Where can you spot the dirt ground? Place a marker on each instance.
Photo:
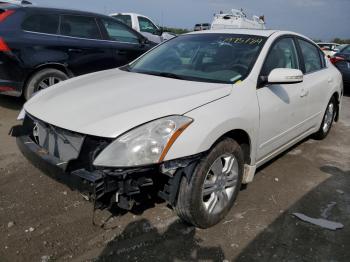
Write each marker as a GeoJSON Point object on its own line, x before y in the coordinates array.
{"type": "Point", "coordinates": [42, 220]}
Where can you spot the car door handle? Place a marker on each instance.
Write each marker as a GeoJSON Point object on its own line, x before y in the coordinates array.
{"type": "Point", "coordinates": [75, 50]}
{"type": "Point", "coordinates": [330, 80]}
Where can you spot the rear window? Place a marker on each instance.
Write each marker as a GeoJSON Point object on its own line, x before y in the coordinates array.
{"type": "Point", "coordinates": [41, 23]}
{"type": "Point", "coordinates": [79, 26]}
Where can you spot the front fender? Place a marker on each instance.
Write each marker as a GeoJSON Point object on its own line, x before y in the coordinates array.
{"type": "Point", "coordinates": [213, 121]}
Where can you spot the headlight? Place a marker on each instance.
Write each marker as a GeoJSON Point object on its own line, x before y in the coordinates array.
{"type": "Point", "coordinates": [146, 144]}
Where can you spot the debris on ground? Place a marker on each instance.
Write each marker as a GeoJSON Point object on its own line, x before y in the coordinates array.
{"type": "Point", "coordinates": [10, 224]}
{"type": "Point", "coordinates": [45, 258]}
{"type": "Point", "coordinates": [320, 222]}
{"type": "Point", "coordinates": [31, 229]}
{"type": "Point", "coordinates": [276, 179]}
{"type": "Point", "coordinates": [340, 191]}
{"type": "Point", "coordinates": [326, 212]}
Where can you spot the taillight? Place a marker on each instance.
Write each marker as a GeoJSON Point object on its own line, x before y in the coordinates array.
{"type": "Point", "coordinates": [5, 15]}
{"type": "Point", "coordinates": [336, 59]}
{"type": "Point", "coordinates": [3, 46]}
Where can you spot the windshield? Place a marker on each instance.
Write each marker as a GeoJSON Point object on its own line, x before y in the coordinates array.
{"type": "Point", "coordinates": [218, 58]}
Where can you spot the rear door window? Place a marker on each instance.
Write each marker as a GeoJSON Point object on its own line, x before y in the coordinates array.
{"type": "Point", "coordinates": [79, 26]}
{"type": "Point", "coordinates": [311, 55]}
{"type": "Point", "coordinates": [119, 32]}
{"type": "Point", "coordinates": [41, 23]}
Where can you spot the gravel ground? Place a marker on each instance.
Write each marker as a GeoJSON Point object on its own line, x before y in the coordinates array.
{"type": "Point", "coordinates": [42, 220]}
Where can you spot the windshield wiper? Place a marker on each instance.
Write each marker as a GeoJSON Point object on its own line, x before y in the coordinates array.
{"type": "Point", "coordinates": [170, 75]}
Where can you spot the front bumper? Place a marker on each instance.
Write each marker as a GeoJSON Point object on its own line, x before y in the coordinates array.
{"type": "Point", "coordinates": [125, 187]}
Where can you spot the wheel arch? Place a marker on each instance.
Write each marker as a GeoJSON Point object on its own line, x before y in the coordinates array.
{"type": "Point", "coordinates": [243, 139]}
{"type": "Point", "coordinates": [58, 66]}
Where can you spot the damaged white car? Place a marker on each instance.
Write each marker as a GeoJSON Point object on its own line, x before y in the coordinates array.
{"type": "Point", "coordinates": [190, 120]}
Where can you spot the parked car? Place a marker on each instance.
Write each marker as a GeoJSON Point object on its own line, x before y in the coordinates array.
{"type": "Point", "coordinates": [191, 120]}
{"type": "Point", "coordinates": [144, 26]}
{"type": "Point", "coordinates": [40, 47]}
{"type": "Point", "coordinates": [201, 27]}
{"type": "Point", "coordinates": [342, 61]}
{"type": "Point", "coordinates": [329, 48]}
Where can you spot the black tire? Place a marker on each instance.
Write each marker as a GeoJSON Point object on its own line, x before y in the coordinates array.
{"type": "Point", "coordinates": [323, 132]}
{"type": "Point", "coordinates": [34, 82]}
{"type": "Point", "coordinates": [190, 206]}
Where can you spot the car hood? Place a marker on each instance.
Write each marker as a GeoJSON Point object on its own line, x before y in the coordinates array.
{"type": "Point", "coordinates": [111, 102]}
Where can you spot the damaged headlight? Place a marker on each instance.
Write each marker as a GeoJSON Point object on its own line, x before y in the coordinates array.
{"type": "Point", "coordinates": [146, 144]}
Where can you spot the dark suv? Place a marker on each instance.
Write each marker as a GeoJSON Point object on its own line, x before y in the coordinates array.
{"type": "Point", "coordinates": [40, 47]}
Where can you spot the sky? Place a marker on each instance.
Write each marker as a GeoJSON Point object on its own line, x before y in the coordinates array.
{"type": "Point", "coordinates": [317, 19]}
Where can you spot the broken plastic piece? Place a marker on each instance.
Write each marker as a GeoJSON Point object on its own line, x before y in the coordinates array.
{"type": "Point", "coordinates": [320, 222]}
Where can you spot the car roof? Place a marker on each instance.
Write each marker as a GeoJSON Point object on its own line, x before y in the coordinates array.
{"type": "Point", "coordinates": [326, 43]}
{"type": "Point", "coordinates": [262, 32]}
{"type": "Point", "coordinates": [58, 10]}
{"type": "Point", "coordinates": [256, 32]}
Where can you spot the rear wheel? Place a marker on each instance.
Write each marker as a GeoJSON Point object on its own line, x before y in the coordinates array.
{"type": "Point", "coordinates": [43, 79]}
{"type": "Point", "coordinates": [327, 121]}
{"type": "Point", "coordinates": [209, 195]}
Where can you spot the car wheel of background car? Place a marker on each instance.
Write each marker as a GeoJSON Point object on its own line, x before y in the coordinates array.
{"type": "Point", "coordinates": [327, 121]}
{"type": "Point", "coordinates": [209, 195]}
{"type": "Point", "coordinates": [43, 79]}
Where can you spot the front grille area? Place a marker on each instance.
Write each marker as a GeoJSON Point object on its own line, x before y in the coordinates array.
{"type": "Point", "coordinates": [72, 149]}
{"type": "Point", "coordinates": [60, 143]}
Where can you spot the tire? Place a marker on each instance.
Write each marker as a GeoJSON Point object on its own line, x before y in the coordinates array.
{"type": "Point", "coordinates": [43, 79]}
{"type": "Point", "coordinates": [327, 121]}
{"type": "Point", "coordinates": [195, 205]}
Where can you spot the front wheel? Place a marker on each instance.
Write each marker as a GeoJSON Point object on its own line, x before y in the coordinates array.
{"type": "Point", "coordinates": [327, 121]}
{"type": "Point", "coordinates": [209, 195]}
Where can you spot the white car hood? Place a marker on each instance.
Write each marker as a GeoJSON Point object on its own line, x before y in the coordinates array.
{"type": "Point", "coordinates": [111, 102]}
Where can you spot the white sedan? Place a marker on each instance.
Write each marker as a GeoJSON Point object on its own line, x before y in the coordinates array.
{"type": "Point", "coordinates": [190, 120]}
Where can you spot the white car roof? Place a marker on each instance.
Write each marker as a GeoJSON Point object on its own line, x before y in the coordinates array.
{"type": "Point", "coordinates": [257, 32]}
{"type": "Point", "coordinates": [126, 14]}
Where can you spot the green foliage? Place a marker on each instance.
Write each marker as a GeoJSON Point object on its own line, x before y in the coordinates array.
{"type": "Point", "coordinates": [177, 31]}
{"type": "Point", "coordinates": [341, 41]}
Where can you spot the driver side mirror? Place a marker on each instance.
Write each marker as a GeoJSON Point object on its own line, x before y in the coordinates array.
{"type": "Point", "coordinates": [159, 31]}
{"type": "Point", "coordinates": [285, 76]}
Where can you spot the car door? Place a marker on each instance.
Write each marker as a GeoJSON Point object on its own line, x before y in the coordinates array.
{"type": "Point", "coordinates": [317, 81]}
{"type": "Point", "coordinates": [149, 30]}
{"type": "Point", "coordinates": [282, 106]}
{"type": "Point", "coordinates": [81, 40]}
{"type": "Point", "coordinates": [124, 44]}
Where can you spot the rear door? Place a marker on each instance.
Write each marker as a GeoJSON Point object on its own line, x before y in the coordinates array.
{"type": "Point", "coordinates": [282, 106]}
{"type": "Point", "coordinates": [317, 81]}
{"type": "Point", "coordinates": [123, 43]}
{"type": "Point", "coordinates": [81, 39]}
